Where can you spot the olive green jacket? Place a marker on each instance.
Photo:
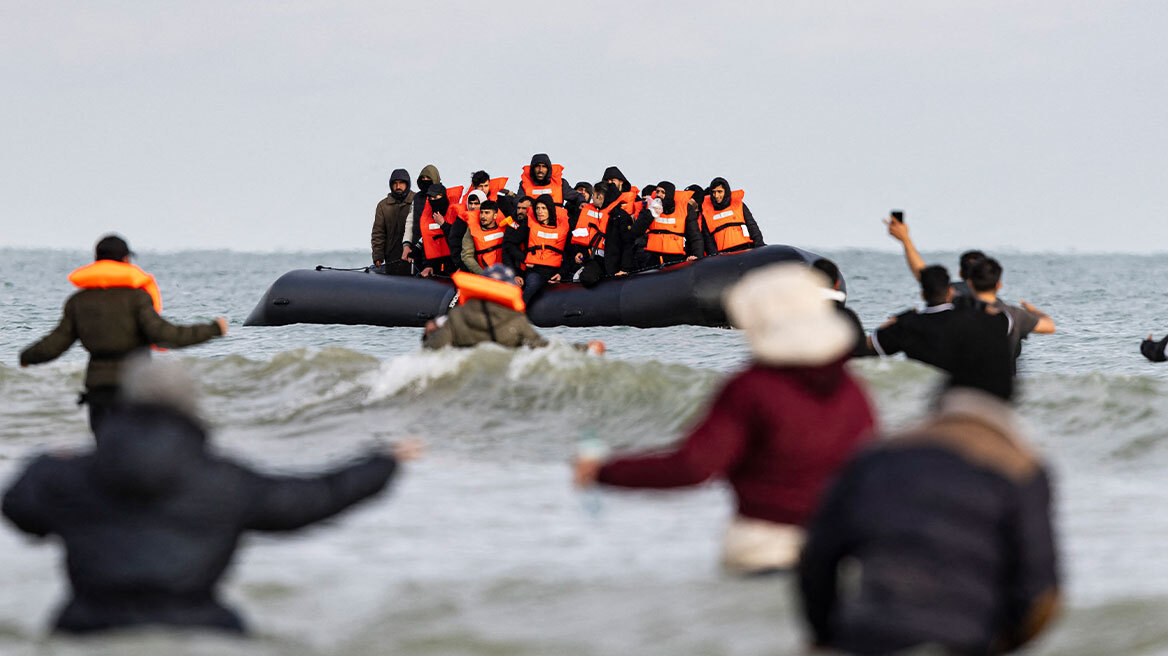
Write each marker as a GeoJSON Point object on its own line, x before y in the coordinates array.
{"type": "Point", "coordinates": [482, 321]}
{"type": "Point", "coordinates": [111, 324]}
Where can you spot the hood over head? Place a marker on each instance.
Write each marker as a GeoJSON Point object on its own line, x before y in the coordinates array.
{"type": "Point", "coordinates": [667, 189]}
{"type": "Point", "coordinates": [404, 176]}
{"type": "Point", "coordinates": [787, 320]}
{"type": "Point", "coordinates": [586, 185]}
{"type": "Point", "coordinates": [614, 172]}
{"type": "Point", "coordinates": [477, 193]}
{"type": "Point", "coordinates": [699, 193]}
{"type": "Point", "coordinates": [720, 182]}
{"type": "Point", "coordinates": [540, 158]}
{"type": "Point", "coordinates": [546, 199]}
{"type": "Point", "coordinates": [431, 172]}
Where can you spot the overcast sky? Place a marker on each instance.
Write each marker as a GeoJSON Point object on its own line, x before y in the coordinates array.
{"type": "Point", "coordinates": [275, 125]}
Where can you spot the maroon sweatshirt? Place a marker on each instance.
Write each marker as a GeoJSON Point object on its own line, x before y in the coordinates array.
{"type": "Point", "coordinates": [776, 434]}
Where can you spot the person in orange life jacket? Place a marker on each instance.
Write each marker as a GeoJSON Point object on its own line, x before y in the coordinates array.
{"type": "Point", "coordinates": [546, 239]}
{"type": "Point", "coordinates": [432, 230]}
{"type": "Point", "coordinates": [428, 176]}
{"type": "Point", "coordinates": [727, 224]}
{"type": "Point", "coordinates": [458, 226]}
{"type": "Point", "coordinates": [490, 309]}
{"type": "Point", "coordinates": [482, 245]}
{"type": "Point", "coordinates": [114, 315]}
{"type": "Point", "coordinates": [632, 204]}
{"type": "Point", "coordinates": [542, 177]}
{"type": "Point", "coordinates": [389, 225]}
{"type": "Point", "coordinates": [598, 245]}
{"type": "Point", "coordinates": [491, 187]}
{"type": "Point", "coordinates": [670, 228]}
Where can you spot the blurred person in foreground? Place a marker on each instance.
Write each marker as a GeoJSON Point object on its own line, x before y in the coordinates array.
{"type": "Point", "coordinates": [839, 297]}
{"type": "Point", "coordinates": [777, 431]}
{"type": "Point", "coordinates": [115, 314]}
{"type": "Point", "coordinates": [939, 537]}
{"type": "Point", "coordinates": [150, 519]}
{"type": "Point", "coordinates": [490, 309]}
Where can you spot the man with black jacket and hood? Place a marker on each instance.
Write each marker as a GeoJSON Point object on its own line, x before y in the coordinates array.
{"type": "Point", "coordinates": [151, 518]}
{"type": "Point", "coordinates": [427, 177]}
{"type": "Point", "coordinates": [727, 224]}
{"type": "Point", "coordinates": [544, 240]}
{"type": "Point", "coordinates": [389, 225]}
{"type": "Point", "coordinates": [671, 230]}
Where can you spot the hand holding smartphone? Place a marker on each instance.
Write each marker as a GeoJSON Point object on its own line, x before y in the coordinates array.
{"type": "Point", "coordinates": [897, 215]}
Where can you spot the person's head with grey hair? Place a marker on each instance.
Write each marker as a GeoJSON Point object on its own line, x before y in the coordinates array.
{"type": "Point", "coordinates": [159, 381]}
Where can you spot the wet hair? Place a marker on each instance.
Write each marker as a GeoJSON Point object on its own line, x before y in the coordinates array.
{"type": "Point", "coordinates": [985, 274]}
{"type": "Point", "coordinates": [968, 259]}
{"type": "Point", "coordinates": [935, 284]}
{"type": "Point", "coordinates": [479, 177]}
{"type": "Point", "coordinates": [828, 268]}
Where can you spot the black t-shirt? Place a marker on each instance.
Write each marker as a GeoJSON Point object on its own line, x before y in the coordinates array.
{"type": "Point", "coordinates": [918, 334]}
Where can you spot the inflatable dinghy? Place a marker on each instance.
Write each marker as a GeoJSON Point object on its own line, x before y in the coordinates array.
{"type": "Point", "coordinates": [686, 293]}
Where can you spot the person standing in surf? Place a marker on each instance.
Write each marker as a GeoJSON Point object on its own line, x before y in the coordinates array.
{"type": "Point", "coordinates": [114, 315]}
{"type": "Point", "coordinates": [777, 431]}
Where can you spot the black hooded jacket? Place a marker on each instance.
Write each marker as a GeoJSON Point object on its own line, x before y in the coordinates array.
{"type": "Point", "coordinates": [694, 244]}
{"type": "Point", "coordinates": [151, 519]}
{"type": "Point", "coordinates": [751, 224]}
{"type": "Point", "coordinates": [515, 242]}
{"type": "Point", "coordinates": [571, 196]}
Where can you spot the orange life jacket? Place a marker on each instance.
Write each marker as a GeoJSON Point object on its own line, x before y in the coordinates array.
{"type": "Point", "coordinates": [472, 287]}
{"type": "Point", "coordinates": [590, 228]}
{"type": "Point", "coordinates": [629, 201]}
{"type": "Point", "coordinates": [104, 274]}
{"type": "Point", "coordinates": [727, 226]}
{"type": "Point", "coordinates": [488, 243]}
{"type": "Point", "coordinates": [545, 244]}
{"type": "Point", "coordinates": [554, 187]}
{"type": "Point", "coordinates": [433, 239]}
{"type": "Point", "coordinates": [667, 232]}
{"type": "Point", "coordinates": [494, 187]}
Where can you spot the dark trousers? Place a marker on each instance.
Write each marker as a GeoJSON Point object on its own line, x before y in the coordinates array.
{"type": "Point", "coordinates": [535, 279]}
{"type": "Point", "coordinates": [101, 401]}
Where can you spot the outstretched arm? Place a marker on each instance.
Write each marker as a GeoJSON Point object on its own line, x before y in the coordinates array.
{"type": "Point", "coordinates": [899, 231]}
{"type": "Point", "coordinates": [285, 503]}
{"type": "Point", "coordinates": [1045, 325]}
{"type": "Point", "coordinates": [51, 346]}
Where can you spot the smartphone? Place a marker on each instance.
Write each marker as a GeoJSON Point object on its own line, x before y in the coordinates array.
{"type": "Point", "coordinates": [898, 216]}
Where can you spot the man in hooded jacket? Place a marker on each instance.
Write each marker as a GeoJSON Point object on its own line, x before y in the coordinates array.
{"type": "Point", "coordinates": [663, 203]}
{"type": "Point", "coordinates": [151, 518]}
{"type": "Point", "coordinates": [427, 177]}
{"type": "Point", "coordinates": [389, 225]}
{"type": "Point", "coordinates": [719, 197]}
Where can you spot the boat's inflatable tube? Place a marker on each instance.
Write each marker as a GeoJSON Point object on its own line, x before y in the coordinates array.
{"type": "Point", "coordinates": [689, 293]}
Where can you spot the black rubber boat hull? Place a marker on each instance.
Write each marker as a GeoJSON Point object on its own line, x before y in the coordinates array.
{"type": "Point", "coordinates": [689, 293]}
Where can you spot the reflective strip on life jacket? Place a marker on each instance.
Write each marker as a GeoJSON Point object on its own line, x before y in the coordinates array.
{"type": "Point", "coordinates": [545, 244]}
{"type": "Point", "coordinates": [104, 274]}
{"type": "Point", "coordinates": [473, 287]}
{"type": "Point", "coordinates": [433, 239]}
{"type": "Point", "coordinates": [728, 226]}
{"type": "Point", "coordinates": [488, 242]}
{"type": "Point", "coordinates": [554, 187]}
{"type": "Point", "coordinates": [667, 232]}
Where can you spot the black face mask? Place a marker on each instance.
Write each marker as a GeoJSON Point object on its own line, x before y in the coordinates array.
{"type": "Point", "coordinates": [439, 205]}
{"type": "Point", "coordinates": [423, 184]}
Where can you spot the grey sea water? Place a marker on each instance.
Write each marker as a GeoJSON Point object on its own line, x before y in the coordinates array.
{"type": "Point", "coordinates": [484, 548]}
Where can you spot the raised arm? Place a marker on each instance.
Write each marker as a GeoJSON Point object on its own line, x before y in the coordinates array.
{"type": "Point", "coordinates": [899, 231]}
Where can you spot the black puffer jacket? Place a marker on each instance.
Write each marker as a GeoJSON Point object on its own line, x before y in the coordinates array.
{"type": "Point", "coordinates": [151, 519]}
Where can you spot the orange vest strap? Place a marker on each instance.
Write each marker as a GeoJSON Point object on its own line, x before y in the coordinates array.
{"type": "Point", "coordinates": [104, 274]}
{"type": "Point", "coordinates": [472, 287]}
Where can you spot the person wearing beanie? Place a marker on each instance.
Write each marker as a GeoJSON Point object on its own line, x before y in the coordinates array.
{"type": "Point", "coordinates": [489, 312]}
{"type": "Point", "coordinates": [151, 518]}
{"type": "Point", "coordinates": [726, 222]}
{"type": "Point", "coordinates": [542, 177]}
{"type": "Point", "coordinates": [389, 225]}
{"type": "Point", "coordinates": [949, 523]}
{"type": "Point", "coordinates": [427, 177]}
{"type": "Point", "coordinates": [670, 227]}
{"type": "Point", "coordinates": [776, 432]}
{"type": "Point", "coordinates": [114, 315]}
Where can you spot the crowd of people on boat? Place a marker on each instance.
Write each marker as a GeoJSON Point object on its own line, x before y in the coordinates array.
{"type": "Point", "coordinates": [548, 231]}
{"type": "Point", "coordinates": [818, 487]}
